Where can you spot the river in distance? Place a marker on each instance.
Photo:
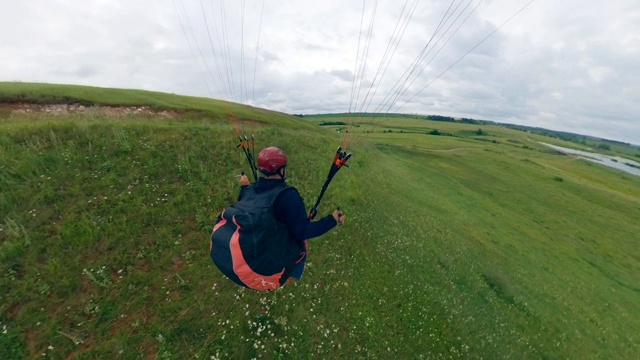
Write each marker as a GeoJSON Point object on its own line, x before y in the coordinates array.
{"type": "Point", "coordinates": [629, 166]}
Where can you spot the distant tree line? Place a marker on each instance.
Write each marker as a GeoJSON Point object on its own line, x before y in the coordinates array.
{"type": "Point", "coordinates": [450, 119]}
{"type": "Point", "coordinates": [413, 116]}
{"type": "Point", "coordinates": [329, 123]}
{"type": "Point", "coordinates": [567, 136]}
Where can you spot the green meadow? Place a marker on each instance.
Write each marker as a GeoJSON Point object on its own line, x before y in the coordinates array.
{"type": "Point", "coordinates": [468, 244]}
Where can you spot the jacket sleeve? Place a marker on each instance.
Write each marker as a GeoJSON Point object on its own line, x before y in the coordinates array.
{"type": "Point", "coordinates": [242, 188]}
{"type": "Point", "coordinates": [289, 209]}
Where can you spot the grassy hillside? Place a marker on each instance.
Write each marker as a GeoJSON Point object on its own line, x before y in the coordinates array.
{"type": "Point", "coordinates": [189, 106]}
{"type": "Point", "coordinates": [466, 246]}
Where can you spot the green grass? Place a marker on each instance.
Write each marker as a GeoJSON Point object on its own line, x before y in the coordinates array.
{"type": "Point", "coordinates": [454, 246]}
{"type": "Point", "coordinates": [189, 107]}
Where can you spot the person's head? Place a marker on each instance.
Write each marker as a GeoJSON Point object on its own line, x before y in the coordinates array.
{"type": "Point", "coordinates": [272, 162]}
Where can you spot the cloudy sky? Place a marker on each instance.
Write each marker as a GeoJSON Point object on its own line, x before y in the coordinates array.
{"type": "Point", "coordinates": [565, 65]}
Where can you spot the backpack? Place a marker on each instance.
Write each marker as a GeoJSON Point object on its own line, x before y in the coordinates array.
{"type": "Point", "coordinates": [250, 246]}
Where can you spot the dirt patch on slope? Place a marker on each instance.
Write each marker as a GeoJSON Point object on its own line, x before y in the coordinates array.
{"type": "Point", "coordinates": [11, 109]}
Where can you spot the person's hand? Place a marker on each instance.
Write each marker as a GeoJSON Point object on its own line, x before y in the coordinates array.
{"type": "Point", "coordinates": [338, 216]}
{"type": "Point", "coordinates": [244, 180]}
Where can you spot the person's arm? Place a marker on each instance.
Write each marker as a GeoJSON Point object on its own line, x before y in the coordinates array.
{"type": "Point", "coordinates": [289, 209]}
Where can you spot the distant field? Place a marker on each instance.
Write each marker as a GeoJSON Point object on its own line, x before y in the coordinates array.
{"type": "Point", "coordinates": [463, 245]}
{"type": "Point", "coordinates": [377, 123]}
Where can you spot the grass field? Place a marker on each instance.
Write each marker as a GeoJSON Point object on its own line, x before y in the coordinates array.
{"type": "Point", "coordinates": [466, 246]}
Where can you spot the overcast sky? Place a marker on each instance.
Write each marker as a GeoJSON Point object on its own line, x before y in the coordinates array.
{"type": "Point", "coordinates": [565, 65]}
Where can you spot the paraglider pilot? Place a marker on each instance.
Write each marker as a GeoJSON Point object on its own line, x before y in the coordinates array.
{"type": "Point", "coordinates": [260, 241]}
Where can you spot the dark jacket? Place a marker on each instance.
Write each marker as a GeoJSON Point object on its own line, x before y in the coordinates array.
{"type": "Point", "coordinates": [289, 209]}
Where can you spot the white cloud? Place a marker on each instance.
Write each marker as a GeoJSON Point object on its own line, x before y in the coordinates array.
{"type": "Point", "coordinates": [564, 65]}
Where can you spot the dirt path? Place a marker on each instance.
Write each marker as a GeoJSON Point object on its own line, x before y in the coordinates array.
{"type": "Point", "coordinates": [451, 150]}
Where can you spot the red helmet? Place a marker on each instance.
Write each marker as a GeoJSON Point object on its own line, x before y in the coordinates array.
{"type": "Point", "coordinates": [271, 159]}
